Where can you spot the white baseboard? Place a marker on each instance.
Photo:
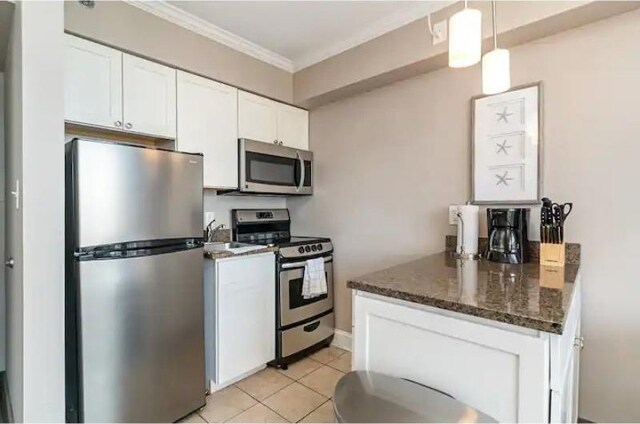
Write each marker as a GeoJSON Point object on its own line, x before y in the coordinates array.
{"type": "Point", "coordinates": [213, 387]}
{"type": "Point", "coordinates": [342, 339]}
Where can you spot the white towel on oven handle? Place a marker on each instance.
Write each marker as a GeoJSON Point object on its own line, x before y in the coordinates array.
{"type": "Point", "coordinates": [315, 280]}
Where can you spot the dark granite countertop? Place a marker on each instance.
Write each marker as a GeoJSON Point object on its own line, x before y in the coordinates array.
{"type": "Point", "coordinates": [525, 295]}
{"type": "Point", "coordinates": [219, 254]}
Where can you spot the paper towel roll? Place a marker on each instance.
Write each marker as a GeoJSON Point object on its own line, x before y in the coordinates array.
{"type": "Point", "coordinates": [468, 239]}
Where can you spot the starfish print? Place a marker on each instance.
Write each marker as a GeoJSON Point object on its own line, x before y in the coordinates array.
{"type": "Point", "coordinates": [502, 147]}
{"type": "Point", "coordinates": [503, 179]}
{"type": "Point", "coordinates": [504, 115]}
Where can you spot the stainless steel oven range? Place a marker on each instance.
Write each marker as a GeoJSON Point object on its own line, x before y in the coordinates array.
{"type": "Point", "coordinates": [302, 325]}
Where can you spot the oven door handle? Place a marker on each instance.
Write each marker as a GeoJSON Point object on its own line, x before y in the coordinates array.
{"type": "Point", "coordinates": [302, 176]}
{"type": "Point", "coordinates": [303, 263]}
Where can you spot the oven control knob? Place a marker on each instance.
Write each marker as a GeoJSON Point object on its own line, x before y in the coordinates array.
{"type": "Point", "coordinates": [301, 249]}
{"type": "Point", "coordinates": [314, 248]}
{"type": "Point", "coordinates": [320, 247]}
{"type": "Point", "coordinates": [307, 249]}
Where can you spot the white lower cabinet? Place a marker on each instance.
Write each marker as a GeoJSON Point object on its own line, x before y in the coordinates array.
{"type": "Point", "coordinates": [239, 317]}
{"type": "Point", "coordinates": [510, 373]}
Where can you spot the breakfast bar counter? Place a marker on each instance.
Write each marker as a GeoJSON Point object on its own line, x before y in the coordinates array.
{"type": "Point", "coordinates": [504, 339]}
{"type": "Point", "coordinates": [525, 295]}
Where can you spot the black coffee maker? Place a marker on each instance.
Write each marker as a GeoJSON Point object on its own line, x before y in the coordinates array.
{"type": "Point", "coordinates": [508, 241]}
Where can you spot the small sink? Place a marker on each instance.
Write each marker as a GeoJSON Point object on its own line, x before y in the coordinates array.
{"type": "Point", "coordinates": [233, 247]}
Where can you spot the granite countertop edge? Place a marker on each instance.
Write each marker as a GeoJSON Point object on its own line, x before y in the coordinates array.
{"type": "Point", "coordinates": [223, 254]}
{"type": "Point", "coordinates": [508, 318]}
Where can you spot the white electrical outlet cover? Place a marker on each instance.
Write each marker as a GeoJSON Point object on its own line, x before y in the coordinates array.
{"type": "Point", "coordinates": [208, 217]}
{"type": "Point", "coordinates": [440, 32]}
{"type": "Point", "coordinates": [453, 218]}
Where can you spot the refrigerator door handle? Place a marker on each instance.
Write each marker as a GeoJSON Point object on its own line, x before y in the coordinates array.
{"type": "Point", "coordinates": [136, 249]}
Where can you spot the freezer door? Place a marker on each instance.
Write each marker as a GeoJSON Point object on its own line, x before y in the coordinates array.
{"type": "Point", "coordinates": [128, 193]}
{"type": "Point", "coordinates": [141, 323]}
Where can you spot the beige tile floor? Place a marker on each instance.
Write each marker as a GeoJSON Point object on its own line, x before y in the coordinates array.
{"type": "Point", "coordinates": [302, 393]}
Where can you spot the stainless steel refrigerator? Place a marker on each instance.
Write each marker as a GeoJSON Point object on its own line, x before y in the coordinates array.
{"type": "Point", "coordinates": [134, 292]}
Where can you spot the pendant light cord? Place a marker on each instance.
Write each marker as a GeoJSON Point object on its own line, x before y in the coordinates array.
{"type": "Point", "coordinates": [495, 27]}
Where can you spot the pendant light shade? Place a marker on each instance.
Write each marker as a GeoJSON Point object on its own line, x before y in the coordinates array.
{"type": "Point", "coordinates": [496, 69]}
{"type": "Point", "coordinates": [465, 38]}
{"type": "Point", "coordinates": [496, 75]}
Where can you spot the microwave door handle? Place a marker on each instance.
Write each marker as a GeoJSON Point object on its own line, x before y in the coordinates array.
{"type": "Point", "coordinates": [302, 176]}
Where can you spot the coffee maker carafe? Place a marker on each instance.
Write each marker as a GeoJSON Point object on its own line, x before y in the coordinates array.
{"type": "Point", "coordinates": [508, 241]}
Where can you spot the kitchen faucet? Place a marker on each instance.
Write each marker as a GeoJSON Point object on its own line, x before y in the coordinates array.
{"type": "Point", "coordinates": [210, 232]}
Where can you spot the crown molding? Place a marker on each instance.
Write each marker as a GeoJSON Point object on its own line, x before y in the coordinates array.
{"type": "Point", "coordinates": [376, 29]}
{"type": "Point", "coordinates": [200, 26]}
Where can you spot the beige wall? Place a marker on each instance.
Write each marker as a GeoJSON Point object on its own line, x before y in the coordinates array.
{"type": "Point", "coordinates": [129, 28]}
{"type": "Point", "coordinates": [391, 160]}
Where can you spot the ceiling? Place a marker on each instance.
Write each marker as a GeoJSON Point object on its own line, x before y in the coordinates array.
{"type": "Point", "coordinates": [293, 34]}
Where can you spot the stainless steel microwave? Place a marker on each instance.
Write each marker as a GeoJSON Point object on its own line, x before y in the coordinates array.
{"type": "Point", "coordinates": [273, 169]}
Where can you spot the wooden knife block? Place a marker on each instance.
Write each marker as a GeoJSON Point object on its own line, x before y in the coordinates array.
{"type": "Point", "coordinates": [551, 277]}
{"type": "Point", "coordinates": [552, 254]}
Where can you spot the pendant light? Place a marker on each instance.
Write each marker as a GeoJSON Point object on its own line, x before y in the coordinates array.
{"type": "Point", "coordinates": [496, 73]}
{"type": "Point", "coordinates": [465, 38]}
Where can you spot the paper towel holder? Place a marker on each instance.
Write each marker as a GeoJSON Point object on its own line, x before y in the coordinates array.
{"type": "Point", "coordinates": [462, 254]}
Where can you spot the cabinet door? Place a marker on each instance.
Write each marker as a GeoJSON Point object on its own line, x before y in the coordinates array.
{"type": "Point", "coordinates": [293, 127]}
{"type": "Point", "coordinates": [246, 315]}
{"type": "Point", "coordinates": [257, 117]}
{"type": "Point", "coordinates": [452, 354]}
{"type": "Point", "coordinates": [92, 83]}
{"type": "Point", "coordinates": [149, 97]}
{"type": "Point", "coordinates": [208, 124]}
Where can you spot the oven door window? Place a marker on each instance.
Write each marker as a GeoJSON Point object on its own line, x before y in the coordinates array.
{"type": "Point", "coordinates": [295, 293]}
{"type": "Point", "coordinates": [275, 170]}
{"type": "Point", "coordinates": [293, 307]}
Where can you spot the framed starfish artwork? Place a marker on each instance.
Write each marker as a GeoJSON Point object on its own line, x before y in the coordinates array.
{"type": "Point", "coordinates": [506, 146]}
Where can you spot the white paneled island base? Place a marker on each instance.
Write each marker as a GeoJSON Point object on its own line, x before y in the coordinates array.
{"type": "Point", "coordinates": [512, 373]}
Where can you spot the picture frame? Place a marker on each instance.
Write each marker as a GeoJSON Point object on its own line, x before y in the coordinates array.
{"type": "Point", "coordinates": [507, 146]}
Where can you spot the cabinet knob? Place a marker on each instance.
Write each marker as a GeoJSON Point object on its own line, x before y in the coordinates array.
{"type": "Point", "coordinates": [281, 143]}
{"type": "Point", "coordinates": [10, 262]}
{"type": "Point", "coordinates": [118, 123]}
{"type": "Point", "coordinates": [275, 141]}
{"type": "Point", "coordinates": [128, 125]}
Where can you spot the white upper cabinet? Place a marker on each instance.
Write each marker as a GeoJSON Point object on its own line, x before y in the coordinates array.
{"type": "Point", "coordinates": [110, 89]}
{"type": "Point", "coordinates": [265, 120]}
{"type": "Point", "coordinates": [107, 88]}
{"type": "Point", "coordinates": [92, 83]}
{"type": "Point", "coordinates": [257, 118]}
{"type": "Point", "coordinates": [208, 124]}
{"type": "Point", "coordinates": [149, 97]}
{"type": "Point", "coordinates": [293, 126]}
